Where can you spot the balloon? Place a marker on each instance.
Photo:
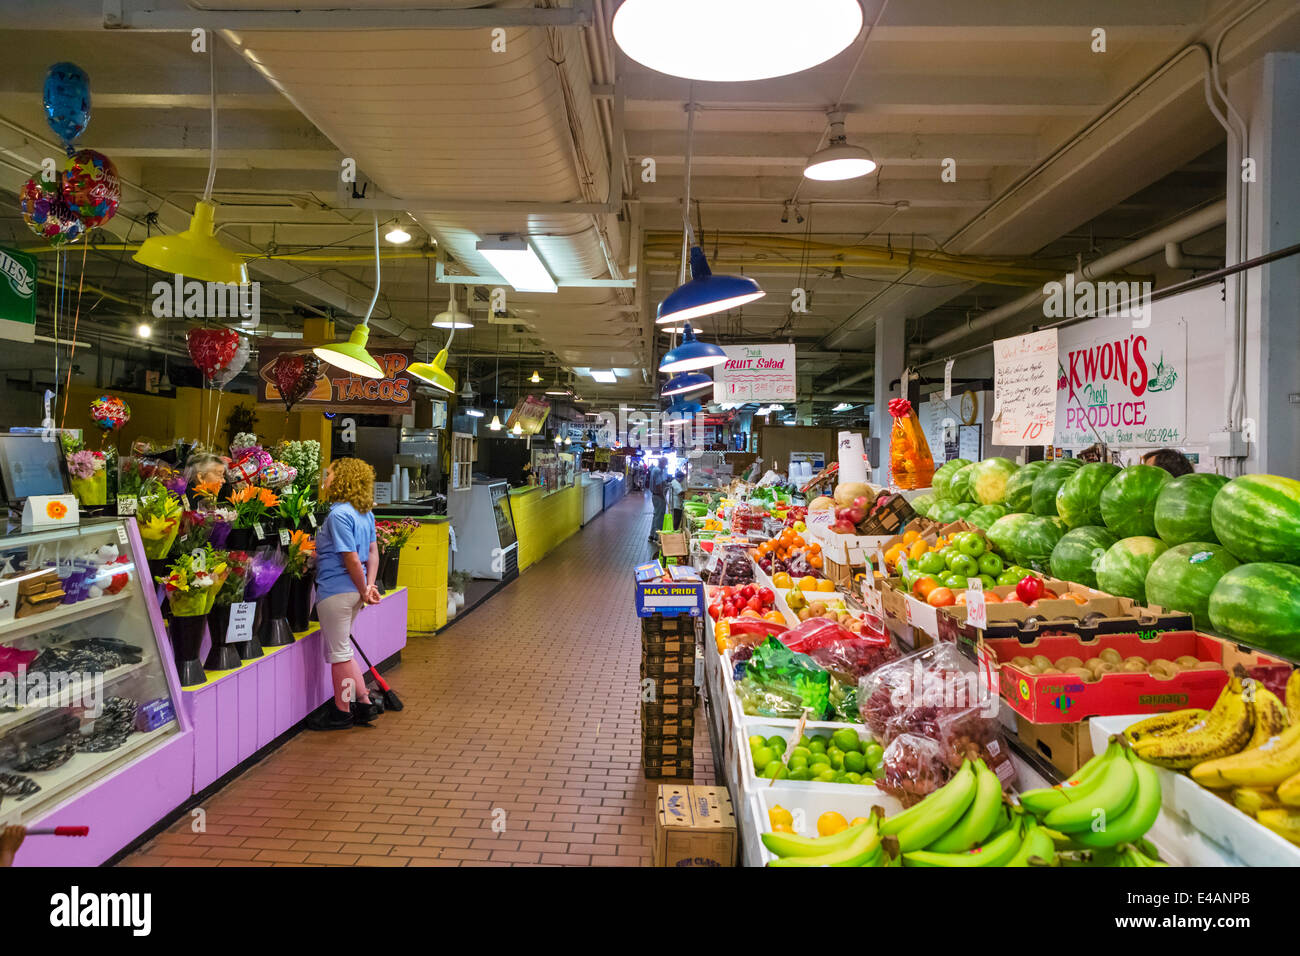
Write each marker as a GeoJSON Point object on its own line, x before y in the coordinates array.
{"type": "Point", "coordinates": [46, 213]}
{"type": "Point", "coordinates": [212, 349]}
{"type": "Point", "coordinates": [90, 187]}
{"type": "Point", "coordinates": [109, 412]}
{"type": "Point", "coordinates": [67, 101]}
{"type": "Point", "coordinates": [295, 377]}
{"type": "Point", "coordinates": [234, 366]}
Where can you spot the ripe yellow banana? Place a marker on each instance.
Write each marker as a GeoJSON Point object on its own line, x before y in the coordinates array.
{"type": "Point", "coordinates": [1267, 765]}
{"type": "Point", "coordinates": [1285, 823]}
{"type": "Point", "coordinates": [1224, 731]}
{"type": "Point", "coordinates": [1251, 800]}
{"type": "Point", "coordinates": [1293, 696]}
{"type": "Point", "coordinates": [1288, 791]}
{"type": "Point", "coordinates": [1164, 724]}
{"type": "Point", "coordinates": [1271, 717]}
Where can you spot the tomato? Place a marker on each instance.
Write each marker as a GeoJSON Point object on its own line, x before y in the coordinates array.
{"type": "Point", "coordinates": [715, 611]}
{"type": "Point", "coordinates": [1029, 589]}
{"type": "Point", "coordinates": [941, 597]}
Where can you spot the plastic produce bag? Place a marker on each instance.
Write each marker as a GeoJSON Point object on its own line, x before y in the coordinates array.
{"type": "Point", "coordinates": [777, 682]}
{"type": "Point", "coordinates": [914, 767]}
{"type": "Point", "coordinates": [848, 655]}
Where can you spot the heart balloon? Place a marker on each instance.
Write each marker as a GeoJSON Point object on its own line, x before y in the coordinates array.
{"type": "Point", "coordinates": [212, 350]}
{"type": "Point", "coordinates": [295, 377]}
{"type": "Point", "coordinates": [90, 187]}
{"type": "Point", "coordinates": [234, 366]}
{"type": "Point", "coordinates": [66, 98]}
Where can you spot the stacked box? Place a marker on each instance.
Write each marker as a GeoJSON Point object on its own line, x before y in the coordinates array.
{"type": "Point", "coordinates": [668, 697]}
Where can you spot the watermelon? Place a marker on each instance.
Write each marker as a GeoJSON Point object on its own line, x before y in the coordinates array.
{"type": "Point", "coordinates": [942, 512]}
{"type": "Point", "coordinates": [985, 515]}
{"type": "Point", "coordinates": [1020, 487]}
{"type": "Point", "coordinates": [1049, 481]}
{"type": "Point", "coordinates": [922, 504]}
{"type": "Point", "coordinates": [1184, 576]}
{"type": "Point", "coordinates": [1078, 501]}
{"type": "Point", "coordinates": [943, 475]}
{"type": "Point", "coordinates": [988, 482]}
{"type": "Point", "coordinates": [1036, 540]}
{"type": "Point", "coordinates": [1005, 532]}
{"type": "Point", "coordinates": [963, 508]}
{"type": "Point", "coordinates": [1256, 603]}
{"type": "Point", "coordinates": [1183, 508]}
{"type": "Point", "coordinates": [1122, 570]}
{"type": "Point", "coordinates": [1075, 556]}
{"type": "Point", "coordinates": [1128, 502]}
{"type": "Point", "coordinates": [1258, 518]}
{"type": "Point", "coordinates": [959, 488]}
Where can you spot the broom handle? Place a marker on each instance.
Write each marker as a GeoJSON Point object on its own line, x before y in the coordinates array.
{"type": "Point", "coordinates": [59, 831]}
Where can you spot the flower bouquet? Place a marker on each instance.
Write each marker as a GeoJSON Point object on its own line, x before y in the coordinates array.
{"type": "Point", "coordinates": [158, 514]}
{"type": "Point", "coordinates": [89, 473]}
{"type": "Point", "coordinates": [391, 537]}
{"type": "Point", "coordinates": [269, 587]}
{"type": "Point", "coordinates": [300, 566]}
{"type": "Point", "coordinates": [192, 583]}
{"type": "Point", "coordinates": [251, 505]}
{"type": "Point", "coordinates": [295, 505]}
{"type": "Point", "coordinates": [304, 457]}
{"type": "Point", "coordinates": [225, 656]}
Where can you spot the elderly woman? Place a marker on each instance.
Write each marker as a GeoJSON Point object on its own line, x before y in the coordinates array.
{"type": "Point", "coordinates": [206, 469]}
{"type": "Point", "coordinates": [347, 561]}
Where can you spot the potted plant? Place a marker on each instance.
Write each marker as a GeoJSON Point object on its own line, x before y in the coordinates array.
{"type": "Point", "coordinates": [251, 505]}
{"type": "Point", "coordinates": [88, 471]}
{"type": "Point", "coordinates": [392, 536]}
{"type": "Point", "coordinates": [191, 584]}
{"type": "Point", "coordinates": [457, 581]}
{"type": "Point", "coordinates": [265, 571]}
{"type": "Point", "coordinates": [300, 567]}
{"type": "Point", "coordinates": [223, 656]}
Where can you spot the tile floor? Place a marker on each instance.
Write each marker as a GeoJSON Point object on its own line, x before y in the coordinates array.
{"type": "Point", "coordinates": [524, 715]}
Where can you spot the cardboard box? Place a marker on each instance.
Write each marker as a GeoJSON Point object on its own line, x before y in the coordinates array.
{"type": "Point", "coordinates": [656, 596]}
{"type": "Point", "coordinates": [679, 667]}
{"type": "Point", "coordinates": [1067, 747]}
{"type": "Point", "coordinates": [669, 709]}
{"type": "Point", "coordinates": [671, 768]}
{"type": "Point", "coordinates": [694, 826]}
{"type": "Point", "coordinates": [1064, 698]}
{"type": "Point", "coordinates": [667, 748]}
{"type": "Point", "coordinates": [658, 725]}
{"type": "Point", "coordinates": [845, 548]}
{"type": "Point", "coordinates": [673, 688]}
{"type": "Point", "coordinates": [674, 544]}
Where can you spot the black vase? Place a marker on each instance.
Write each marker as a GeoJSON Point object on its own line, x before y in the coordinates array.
{"type": "Point", "coordinates": [158, 569]}
{"type": "Point", "coordinates": [300, 603]}
{"type": "Point", "coordinates": [251, 649]}
{"type": "Point", "coordinates": [222, 656]}
{"type": "Point", "coordinates": [273, 629]}
{"type": "Point", "coordinates": [240, 539]}
{"type": "Point", "coordinates": [388, 566]}
{"type": "Point", "coordinates": [187, 638]}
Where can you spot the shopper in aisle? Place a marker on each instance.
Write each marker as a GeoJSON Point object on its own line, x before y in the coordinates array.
{"type": "Point", "coordinates": [676, 489]}
{"type": "Point", "coordinates": [658, 485]}
{"type": "Point", "coordinates": [1174, 462]}
{"type": "Point", "coordinates": [347, 562]}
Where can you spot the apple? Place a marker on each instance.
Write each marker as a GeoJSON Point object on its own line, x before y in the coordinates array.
{"type": "Point", "coordinates": [844, 526]}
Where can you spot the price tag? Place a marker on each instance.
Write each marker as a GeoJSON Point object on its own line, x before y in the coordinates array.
{"type": "Point", "coordinates": [820, 519]}
{"type": "Point", "coordinates": [311, 519]}
{"type": "Point", "coordinates": [258, 533]}
{"type": "Point", "coordinates": [284, 537]}
{"type": "Point", "coordinates": [947, 379]}
{"type": "Point", "coordinates": [121, 534]}
{"type": "Point", "coordinates": [240, 628]}
{"type": "Point", "coordinates": [909, 603]}
{"type": "Point", "coordinates": [990, 674]}
{"type": "Point", "coordinates": [902, 566]}
{"type": "Point", "coordinates": [126, 506]}
{"type": "Point", "coordinates": [976, 608]}
{"type": "Point", "coordinates": [871, 599]}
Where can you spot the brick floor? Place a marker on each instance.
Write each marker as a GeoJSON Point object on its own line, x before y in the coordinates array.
{"type": "Point", "coordinates": [524, 714]}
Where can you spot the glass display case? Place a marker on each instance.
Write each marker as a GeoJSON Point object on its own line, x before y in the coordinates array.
{"type": "Point", "coordinates": [554, 470]}
{"type": "Point", "coordinates": [84, 684]}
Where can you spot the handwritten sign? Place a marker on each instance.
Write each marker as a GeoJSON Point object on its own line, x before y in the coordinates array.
{"type": "Point", "coordinates": [976, 608]}
{"type": "Point", "coordinates": [1024, 388]}
{"type": "Point", "coordinates": [240, 628]}
{"type": "Point", "coordinates": [756, 373]}
{"type": "Point", "coordinates": [820, 519]}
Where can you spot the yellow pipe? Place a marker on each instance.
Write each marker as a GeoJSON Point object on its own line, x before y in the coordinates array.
{"type": "Point", "coordinates": [86, 287]}
{"type": "Point", "coordinates": [287, 256]}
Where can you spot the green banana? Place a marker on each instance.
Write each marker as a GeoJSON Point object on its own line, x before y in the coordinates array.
{"type": "Point", "coordinates": [1137, 819]}
{"type": "Point", "coordinates": [980, 817]}
{"type": "Point", "coordinates": [791, 844]}
{"type": "Point", "coordinates": [1094, 779]}
{"type": "Point", "coordinates": [1131, 856]}
{"type": "Point", "coordinates": [958, 792]}
{"type": "Point", "coordinates": [863, 850]}
{"type": "Point", "coordinates": [1036, 845]}
{"type": "Point", "coordinates": [1111, 793]}
{"type": "Point", "coordinates": [997, 852]}
{"type": "Point", "coordinates": [899, 821]}
{"type": "Point", "coordinates": [1039, 802]}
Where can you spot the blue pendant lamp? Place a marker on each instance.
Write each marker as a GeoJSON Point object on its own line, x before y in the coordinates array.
{"type": "Point", "coordinates": [706, 293]}
{"type": "Point", "coordinates": [691, 355]}
{"type": "Point", "coordinates": [685, 383]}
{"type": "Point", "coordinates": [683, 407]}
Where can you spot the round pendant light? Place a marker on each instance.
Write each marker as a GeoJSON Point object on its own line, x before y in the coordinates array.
{"type": "Point", "coordinates": [735, 40]}
{"type": "Point", "coordinates": [351, 356]}
{"type": "Point", "coordinates": [706, 293]}
{"type": "Point", "coordinates": [691, 355]}
{"type": "Point", "coordinates": [453, 318]}
{"type": "Point", "coordinates": [839, 160]}
{"type": "Point", "coordinates": [686, 383]}
{"type": "Point", "coordinates": [434, 372]}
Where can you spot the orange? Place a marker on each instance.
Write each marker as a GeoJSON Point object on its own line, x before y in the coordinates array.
{"type": "Point", "coordinates": [941, 597]}
{"type": "Point", "coordinates": [815, 561]}
{"type": "Point", "coordinates": [782, 828]}
{"type": "Point", "coordinates": [825, 584]}
{"type": "Point", "coordinates": [797, 541]}
{"type": "Point", "coordinates": [815, 548]}
{"type": "Point", "coordinates": [893, 554]}
{"type": "Point", "coordinates": [991, 597]}
{"type": "Point", "coordinates": [831, 823]}
{"type": "Point", "coordinates": [750, 612]}
{"type": "Point", "coordinates": [922, 587]}
{"type": "Point", "coordinates": [910, 536]}
{"type": "Point", "coordinates": [775, 616]}
{"type": "Point", "coordinates": [807, 583]}
{"type": "Point", "coordinates": [781, 580]}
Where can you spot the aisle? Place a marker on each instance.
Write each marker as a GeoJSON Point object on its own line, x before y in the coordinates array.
{"type": "Point", "coordinates": [524, 714]}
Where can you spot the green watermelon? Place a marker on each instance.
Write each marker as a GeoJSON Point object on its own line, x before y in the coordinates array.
{"type": "Point", "coordinates": [1005, 532]}
{"type": "Point", "coordinates": [1256, 603]}
{"type": "Point", "coordinates": [985, 515]}
{"type": "Point", "coordinates": [922, 504]}
{"type": "Point", "coordinates": [1122, 570]}
{"type": "Point", "coordinates": [988, 481]}
{"type": "Point", "coordinates": [1075, 556]}
{"type": "Point", "coordinates": [1078, 501]}
{"type": "Point", "coordinates": [1049, 481]}
{"type": "Point", "coordinates": [1128, 502]}
{"type": "Point", "coordinates": [1183, 508]}
{"type": "Point", "coordinates": [942, 512]}
{"type": "Point", "coordinates": [1036, 540]}
{"type": "Point", "coordinates": [959, 488]}
{"type": "Point", "coordinates": [943, 475]}
{"type": "Point", "coordinates": [1020, 487]}
{"type": "Point", "coordinates": [963, 508]}
{"type": "Point", "coordinates": [1258, 518]}
{"type": "Point", "coordinates": [1183, 578]}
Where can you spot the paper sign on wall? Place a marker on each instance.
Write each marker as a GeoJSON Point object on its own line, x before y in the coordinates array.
{"type": "Point", "coordinates": [1024, 388]}
{"type": "Point", "coordinates": [755, 373]}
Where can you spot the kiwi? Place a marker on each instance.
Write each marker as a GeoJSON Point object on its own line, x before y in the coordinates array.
{"type": "Point", "coordinates": [1022, 662]}
{"type": "Point", "coordinates": [1083, 673]}
{"type": "Point", "coordinates": [1133, 666]}
{"type": "Point", "coordinates": [1207, 666]}
{"type": "Point", "coordinates": [1031, 669]}
{"type": "Point", "coordinates": [1041, 661]}
{"type": "Point", "coordinates": [1111, 655]}
{"type": "Point", "coordinates": [1140, 660]}
{"type": "Point", "coordinates": [1164, 663]}
{"type": "Point", "coordinates": [1105, 667]}
{"type": "Point", "coordinates": [1051, 670]}
{"type": "Point", "coordinates": [1069, 663]}
{"type": "Point", "coordinates": [1093, 663]}
{"type": "Point", "coordinates": [1163, 671]}
{"type": "Point", "coordinates": [1187, 661]}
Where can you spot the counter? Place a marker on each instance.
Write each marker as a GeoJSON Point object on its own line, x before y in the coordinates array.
{"type": "Point", "coordinates": [593, 496]}
{"type": "Point", "coordinates": [615, 487]}
{"type": "Point", "coordinates": [423, 570]}
{"type": "Point", "coordinates": [543, 521]}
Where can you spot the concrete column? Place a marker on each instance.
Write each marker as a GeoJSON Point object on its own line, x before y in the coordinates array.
{"type": "Point", "coordinates": [890, 348]}
{"type": "Point", "coordinates": [1268, 94]}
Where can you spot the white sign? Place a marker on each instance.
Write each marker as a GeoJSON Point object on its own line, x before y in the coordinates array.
{"type": "Point", "coordinates": [755, 373]}
{"type": "Point", "coordinates": [383, 492]}
{"type": "Point", "coordinates": [1123, 386]}
{"type": "Point", "coordinates": [1024, 388]}
{"type": "Point", "coordinates": [947, 379]}
{"type": "Point", "coordinates": [240, 628]}
{"type": "Point", "coordinates": [977, 614]}
{"type": "Point", "coordinates": [820, 519]}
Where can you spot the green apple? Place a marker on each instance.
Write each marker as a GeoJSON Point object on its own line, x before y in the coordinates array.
{"type": "Point", "coordinates": [990, 563]}
{"type": "Point", "coordinates": [971, 544]}
{"type": "Point", "coordinates": [930, 563]}
{"type": "Point", "coordinates": [965, 565]}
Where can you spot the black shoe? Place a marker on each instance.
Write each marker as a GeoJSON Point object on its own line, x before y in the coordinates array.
{"type": "Point", "coordinates": [365, 713]}
{"type": "Point", "coordinates": [330, 717]}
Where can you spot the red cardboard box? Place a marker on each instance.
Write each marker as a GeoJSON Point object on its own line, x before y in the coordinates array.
{"type": "Point", "coordinates": [1064, 698]}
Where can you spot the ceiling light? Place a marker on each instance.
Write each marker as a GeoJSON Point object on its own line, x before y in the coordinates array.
{"type": "Point", "coordinates": [706, 294]}
{"type": "Point", "coordinates": [776, 408]}
{"type": "Point", "coordinates": [516, 431]}
{"type": "Point", "coordinates": [535, 378]}
{"type": "Point", "coordinates": [839, 160]}
{"type": "Point", "coordinates": [685, 383]}
{"type": "Point", "coordinates": [474, 412]}
{"type": "Point", "coordinates": [195, 252]}
{"type": "Point", "coordinates": [516, 261]}
{"type": "Point", "coordinates": [691, 355]}
{"type": "Point", "coordinates": [144, 330]}
{"type": "Point", "coordinates": [568, 440]}
{"type": "Point", "coordinates": [434, 373]}
{"type": "Point", "coordinates": [397, 235]}
{"type": "Point", "coordinates": [453, 318]}
{"type": "Point", "coordinates": [604, 377]}
{"type": "Point", "coordinates": [495, 424]}
{"type": "Point", "coordinates": [842, 407]}
{"type": "Point", "coordinates": [735, 40]}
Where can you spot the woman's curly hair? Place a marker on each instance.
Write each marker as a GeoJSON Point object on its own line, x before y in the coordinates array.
{"type": "Point", "coordinates": [353, 481]}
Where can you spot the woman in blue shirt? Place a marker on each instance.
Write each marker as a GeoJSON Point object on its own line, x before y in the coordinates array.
{"type": "Point", "coordinates": [347, 561]}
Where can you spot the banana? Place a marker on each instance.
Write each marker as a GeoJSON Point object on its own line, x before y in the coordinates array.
{"type": "Point", "coordinates": [1251, 800]}
{"type": "Point", "coordinates": [981, 816]}
{"type": "Point", "coordinates": [895, 824]}
{"type": "Point", "coordinates": [1270, 717]}
{"type": "Point", "coordinates": [1041, 800]}
{"type": "Point", "coordinates": [863, 850]}
{"type": "Point", "coordinates": [1266, 766]}
{"type": "Point", "coordinates": [997, 852]}
{"type": "Point", "coordinates": [1225, 731]}
{"type": "Point", "coordinates": [1110, 798]}
{"type": "Point", "coordinates": [1284, 822]}
{"type": "Point", "coordinates": [1293, 696]}
{"type": "Point", "coordinates": [1131, 856]}
{"type": "Point", "coordinates": [1137, 819]}
{"type": "Point", "coordinates": [1097, 778]}
{"type": "Point", "coordinates": [1037, 845]}
{"type": "Point", "coordinates": [959, 792]}
{"type": "Point", "coordinates": [1164, 724]}
{"type": "Point", "coordinates": [791, 844]}
{"type": "Point", "coordinates": [1288, 791]}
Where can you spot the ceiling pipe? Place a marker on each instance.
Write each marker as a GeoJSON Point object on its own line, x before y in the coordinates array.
{"type": "Point", "coordinates": [1175, 258]}
{"type": "Point", "coordinates": [175, 15]}
{"type": "Point", "coordinates": [850, 380]}
{"type": "Point", "coordinates": [1203, 220]}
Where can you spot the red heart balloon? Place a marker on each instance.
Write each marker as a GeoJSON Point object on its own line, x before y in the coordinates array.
{"type": "Point", "coordinates": [295, 377]}
{"type": "Point", "coordinates": [212, 349]}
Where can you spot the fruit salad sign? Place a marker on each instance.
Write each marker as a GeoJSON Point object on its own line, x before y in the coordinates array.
{"type": "Point", "coordinates": [1024, 389]}
{"type": "Point", "coordinates": [755, 373]}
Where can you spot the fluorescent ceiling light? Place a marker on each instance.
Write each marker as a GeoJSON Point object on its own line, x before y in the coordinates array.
{"type": "Point", "coordinates": [397, 235]}
{"type": "Point", "coordinates": [839, 160]}
{"type": "Point", "coordinates": [605, 377]}
{"type": "Point", "coordinates": [788, 421]}
{"type": "Point", "coordinates": [735, 40]}
{"type": "Point", "coordinates": [842, 407]}
{"type": "Point", "coordinates": [516, 261]}
{"type": "Point", "coordinates": [776, 408]}
{"type": "Point", "coordinates": [474, 412]}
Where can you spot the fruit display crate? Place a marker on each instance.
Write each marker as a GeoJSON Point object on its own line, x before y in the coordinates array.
{"type": "Point", "coordinates": [807, 805]}
{"type": "Point", "coordinates": [766, 728]}
{"type": "Point", "coordinates": [1199, 825]}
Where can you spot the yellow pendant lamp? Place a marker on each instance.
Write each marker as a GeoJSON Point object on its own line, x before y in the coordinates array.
{"type": "Point", "coordinates": [352, 356]}
{"type": "Point", "coordinates": [435, 372]}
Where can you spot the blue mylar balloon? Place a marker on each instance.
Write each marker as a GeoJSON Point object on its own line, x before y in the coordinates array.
{"type": "Point", "coordinates": [67, 101]}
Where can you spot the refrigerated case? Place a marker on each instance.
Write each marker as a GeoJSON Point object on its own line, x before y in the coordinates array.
{"type": "Point", "coordinates": [486, 542]}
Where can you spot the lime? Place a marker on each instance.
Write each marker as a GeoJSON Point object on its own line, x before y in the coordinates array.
{"type": "Point", "coordinates": [855, 762]}
{"type": "Point", "coordinates": [777, 743]}
{"type": "Point", "coordinates": [817, 745]}
{"type": "Point", "coordinates": [797, 761]}
{"type": "Point", "coordinates": [852, 777]}
{"type": "Point", "coordinates": [800, 751]}
{"type": "Point", "coordinates": [804, 741]}
{"type": "Point", "coordinates": [819, 760]}
{"type": "Point", "coordinates": [825, 776]}
{"type": "Point", "coordinates": [874, 752]}
{"type": "Point", "coordinates": [757, 741]}
{"type": "Point", "coordinates": [763, 756]}
{"type": "Point", "coordinates": [800, 773]}
{"type": "Point", "coordinates": [839, 777]}
{"type": "Point", "coordinates": [775, 770]}
{"type": "Point", "coordinates": [846, 738]}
